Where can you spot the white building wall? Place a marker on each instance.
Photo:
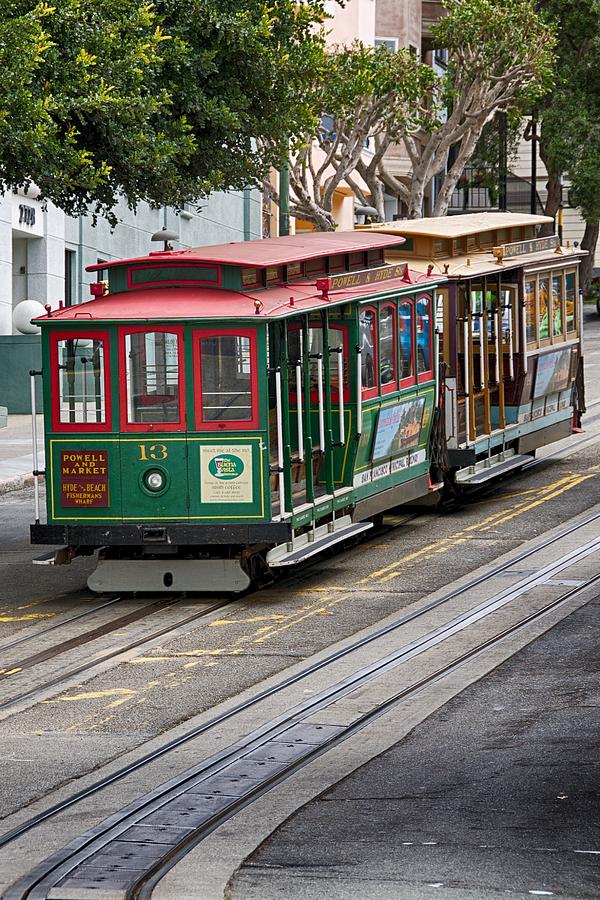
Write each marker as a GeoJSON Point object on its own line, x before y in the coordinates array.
{"type": "Point", "coordinates": [37, 240]}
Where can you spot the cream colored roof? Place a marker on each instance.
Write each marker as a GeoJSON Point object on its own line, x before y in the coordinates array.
{"type": "Point", "coordinates": [457, 226]}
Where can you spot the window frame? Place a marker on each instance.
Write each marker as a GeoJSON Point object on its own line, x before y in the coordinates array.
{"type": "Point", "coordinates": [128, 427]}
{"type": "Point", "coordinates": [370, 393]}
{"type": "Point", "coordinates": [393, 384]}
{"type": "Point", "coordinates": [200, 424]}
{"type": "Point", "coordinates": [75, 334]}
{"type": "Point", "coordinates": [428, 374]}
{"type": "Point", "coordinates": [175, 264]}
{"type": "Point", "coordinates": [410, 380]}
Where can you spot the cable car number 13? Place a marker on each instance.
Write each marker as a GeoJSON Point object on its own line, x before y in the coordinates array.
{"type": "Point", "coordinates": [154, 451]}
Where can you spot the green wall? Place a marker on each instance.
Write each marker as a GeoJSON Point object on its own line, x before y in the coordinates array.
{"type": "Point", "coordinates": [18, 354]}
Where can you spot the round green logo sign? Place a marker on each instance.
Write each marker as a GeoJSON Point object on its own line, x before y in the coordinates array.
{"type": "Point", "coordinates": [226, 466]}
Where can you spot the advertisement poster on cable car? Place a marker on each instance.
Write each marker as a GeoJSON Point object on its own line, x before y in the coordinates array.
{"type": "Point", "coordinates": [398, 427]}
{"type": "Point", "coordinates": [552, 372]}
{"type": "Point", "coordinates": [226, 473]}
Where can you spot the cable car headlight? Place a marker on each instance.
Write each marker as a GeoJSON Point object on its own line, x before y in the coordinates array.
{"type": "Point", "coordinates": [154, 480]}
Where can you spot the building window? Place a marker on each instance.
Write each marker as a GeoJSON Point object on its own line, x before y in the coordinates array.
{"type": "Point", "coordinates": [70, 287]}
{"type": "Point", "coordinates": [390, 43]}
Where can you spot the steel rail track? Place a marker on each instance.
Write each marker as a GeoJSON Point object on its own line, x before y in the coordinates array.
{"type": "Point", "coordinates": [308, 707]}
{"type": "Point", "coordinates": [143, 888]}
{"type": "Point", "coordinates": [8, 645]}
{"type": "Point", "coordinates": [117, 651]}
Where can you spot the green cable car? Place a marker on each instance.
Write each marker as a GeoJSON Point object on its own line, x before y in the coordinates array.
{"type": "Point", "coordinates": [215, 414]}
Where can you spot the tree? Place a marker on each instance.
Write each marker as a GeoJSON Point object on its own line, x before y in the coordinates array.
{"type": "Point", "coordinates": [569, 142]}
{"type": "Point", "coordinates": [500, 57]}
{"type": "Point", "coordinates": [160, 101]}
{"type": "Point", "coordinates": [365, 93]}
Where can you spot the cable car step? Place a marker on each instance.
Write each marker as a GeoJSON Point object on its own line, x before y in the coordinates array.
{"type": "Point", "coordinates": [491, 468]}
{"type": "Point", "coordinates": [323, 538]}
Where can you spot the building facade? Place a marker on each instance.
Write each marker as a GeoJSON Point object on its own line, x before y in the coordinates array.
{"type": "Point", "coordinates": [44, 253]}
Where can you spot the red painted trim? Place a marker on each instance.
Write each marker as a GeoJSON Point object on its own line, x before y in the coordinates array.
{"type": "Point", "coordinates": [368, 393]}
{"type": "Point", "coordinates": [410, 380]}
{"type": "Point", "coordinates": [230, 424]}
{"type": "Point", "coordinates": [393, 385]}
{"type": "Point", "coordinates": [175, 281]}
{"type": "Point", "coordinates": [151, 427]}
{"type": "Point", "coordinates": [428, 374]}
{"type": "Point", "coordinates": [57, 425]}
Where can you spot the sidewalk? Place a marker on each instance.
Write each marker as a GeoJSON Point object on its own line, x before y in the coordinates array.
{"type": "Point", "coordinates": [16, 457]}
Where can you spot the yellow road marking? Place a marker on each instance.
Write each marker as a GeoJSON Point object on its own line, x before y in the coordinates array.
{"type": "Point", "coordinates": [93, 695]}
{"type": "Point", "coordinates": [27, 618]}
{"type": "Point", "coordinates": [275, 617]}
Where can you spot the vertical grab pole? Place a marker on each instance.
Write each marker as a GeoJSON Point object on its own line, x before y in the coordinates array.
{"type": "Point", "coordinates": [299, 409]}
{"type": "Point", "coordinates": [467, 382]}
{"type": "Point", "coordinates": [359, 416]}
{"type": "Point", "coordinates": [36, 485]}
{"type": "Point", "coordinates": [340, 368]}
{"type": "Point", "coordinates": [278, 405]}
{"type": "Point", "coordinates": [511, 367]}
{"type": "Point", "coordinates": [321, 408]}
{"type": "Point", "coordinates": [524, 335]}
{"type": "Point", "coordinates": [497, 328]}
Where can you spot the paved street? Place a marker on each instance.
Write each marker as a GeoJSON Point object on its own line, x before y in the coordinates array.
{"type": "Point", "coordinates": [55, 739]}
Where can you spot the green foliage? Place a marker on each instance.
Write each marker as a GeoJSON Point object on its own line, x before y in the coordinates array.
{"type": "Point", "coordinates": [570, 130]}
{"type": "Point", "coordinates": [486, 39]}
{"type": "Point", "coordinates": [160, 101]}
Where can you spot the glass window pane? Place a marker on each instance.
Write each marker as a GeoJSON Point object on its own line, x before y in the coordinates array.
{"type": "Point", "coordinates": [570, 298]}
{"type": "Point", "coordinates": [387, 356]}
{"type": "Point", "coordinates": [81, 381]}
{"type": "Point", "coordinates": [152, 371]}
{"type": "Point", "coordinates": [423, 335]}
{"type": "Point", "coordinates": [226, 378]}
{"type": "Point", "coordinates": [530, 310]}
{"type": "Point", "coordinates": [367, 345]}
{"type": "Point", "coordinates": [544, 307]}
{"type": "Point", "coordinates": [557, 303]}
{"type": "Point", "coordinates": [405, 333]}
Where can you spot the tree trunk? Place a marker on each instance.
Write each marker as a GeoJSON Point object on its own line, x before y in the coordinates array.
{"type": "Point", "coordinates": [589, 241]}
{"type": "Point", "coordinates": [554, 188]}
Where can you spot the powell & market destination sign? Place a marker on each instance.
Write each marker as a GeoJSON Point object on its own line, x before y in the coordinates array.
{"type": "Point", "coordinates": [84, 478]}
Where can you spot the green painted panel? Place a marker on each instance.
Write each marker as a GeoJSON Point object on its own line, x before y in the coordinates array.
{"type": "Point", "coordinates": [142, 455]}
{"type": "Point", "coordinates": [154, 274]}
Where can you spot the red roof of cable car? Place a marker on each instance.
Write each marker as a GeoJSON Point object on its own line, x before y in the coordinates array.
{"type": "Point", "coordinates": [270, 252]}
{"type": "Point", "coordinates": [209, 303]}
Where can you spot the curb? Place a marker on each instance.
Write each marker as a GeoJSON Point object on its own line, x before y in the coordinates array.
{"type": "Point", "coordinates": [17, 483]}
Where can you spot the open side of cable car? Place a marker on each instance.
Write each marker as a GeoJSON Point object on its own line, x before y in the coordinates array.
{"type": "Point", "coordinates": [217, 413]}
{"type": "Point", "coordinates": [511, 336]}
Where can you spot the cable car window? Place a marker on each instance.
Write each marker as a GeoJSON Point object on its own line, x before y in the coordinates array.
{"type": "Point", "coordinates": [368, 346]}
{"type": "Point", "coordinates": [405, 334]}
{"type": "Point", "coordinates": [544, 307]}
{"type": "Point", "coordinates": [423, 335]}
{"type": "Point", "coordinates": [570, 301]}
{"type": "Point", "coordinates": [226, 378]}
{"type": "Point", "coordinates": [152, 377]}
{"type": "Point", "coordinates": [387, 348]}
{"type": "Point", "coordinates": [557, 297]}
{"type": "Point", "coordinates": [530, 310]}
{"type": "Point", "coordinates": [80, 367]}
